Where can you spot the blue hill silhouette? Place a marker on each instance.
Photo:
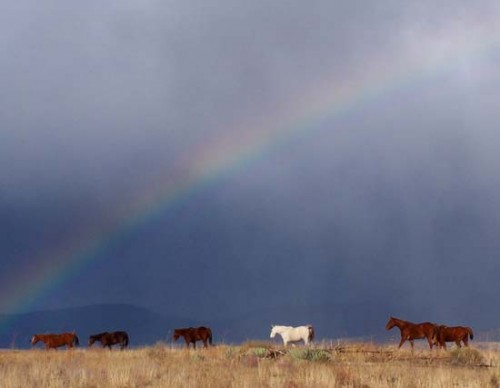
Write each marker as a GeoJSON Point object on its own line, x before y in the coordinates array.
{"type": "Point", "coordinates": [144, 326]}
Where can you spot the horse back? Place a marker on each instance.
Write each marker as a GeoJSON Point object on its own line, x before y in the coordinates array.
{"type": "Point", "coordinates": [453, 333]}
{"type": "Point", "coordinates": [429, 329]}
{"type": "Point", "coordinates": [202, 333]}
{"type": "Point", "coordinates": [57, 340]}
{"type": "Point", "coordinates": [114, 337]}
{"type": "Point", "coordinates": [193, 334]}
{"type": "Point", "coordinates": [121, 337]}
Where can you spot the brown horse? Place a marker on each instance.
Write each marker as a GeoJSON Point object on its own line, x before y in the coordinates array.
{"type": "Point", "coordinates": [53, 341]}
{"type": "Point", "coordinates": [193, 334]}
{"type": "Point", "coordinates": [412, 331]}
{"type": "Point", "coordinates": [457, 334]}
{"type": "Point", "coordinates": [110, 338]}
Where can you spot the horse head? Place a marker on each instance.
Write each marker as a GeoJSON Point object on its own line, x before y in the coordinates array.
{"type": "Point", "coordinates": [273, 331]}
{"type": "Point", "coordinates": [390, 323]}
{"type": "Point", "coordinates": [92, 339]}
{"type": "Point", "coordinates": [35, 339]}
{"type": "Point", "coordinates": [176, 335]}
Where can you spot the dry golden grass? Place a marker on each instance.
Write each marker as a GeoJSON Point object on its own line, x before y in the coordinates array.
{"type": "Point", "coordinates": [251, 365]}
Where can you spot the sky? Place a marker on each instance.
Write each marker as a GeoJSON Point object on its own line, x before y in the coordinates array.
{"type": "Point", "coordinates": [216, 158]}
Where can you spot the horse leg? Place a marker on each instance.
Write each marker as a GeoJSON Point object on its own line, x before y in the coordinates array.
{"type": "Point", "coordinates": [458, 343]}
{"type": "Point", "coordinates": [306, 341]}
{"type": "Point", "coordinates": [429, 340]}
{"type": "Point", "coordinates": [412, 345]}
{"type": "Point", "coordinates": [465, 339]}
{"type": "Point", "coordinates": [401, 342]}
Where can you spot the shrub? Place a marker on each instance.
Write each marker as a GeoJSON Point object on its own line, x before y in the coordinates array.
{"type": "Point", "coordinates": [494, 381]}
{"type": "Point", "coordinates": [260, 352]}
{"type": "Point", "coordinates": [158, 351]}
{"type": "Point", "coordinates": [466, 356]}
{"type": "Point", "coordinates": [310, 354]}
{"type": "Point", "coordinates": [255, 344]}
{"type": "Point", "coordinates": [231, 353]}
{"type": "Point", "coordinates": [197, 357]}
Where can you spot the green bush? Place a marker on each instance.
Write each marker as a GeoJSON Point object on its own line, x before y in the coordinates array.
{"type": "Point", "coordinates": [316, 355]}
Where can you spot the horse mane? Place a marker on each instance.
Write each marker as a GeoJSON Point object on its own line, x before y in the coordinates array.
{"type": "Point", "coordinates": [282, 326]}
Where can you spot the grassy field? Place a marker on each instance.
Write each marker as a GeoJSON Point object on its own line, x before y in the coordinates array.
{"type": "Point", "coordinates": [252, 365]}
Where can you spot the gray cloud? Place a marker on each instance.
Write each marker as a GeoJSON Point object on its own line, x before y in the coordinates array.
{"type": "Point", "coordinates": [391, 203]}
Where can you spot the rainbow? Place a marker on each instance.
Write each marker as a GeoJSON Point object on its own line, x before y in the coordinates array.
{"type": "Point", "coordinates": [230, 154]}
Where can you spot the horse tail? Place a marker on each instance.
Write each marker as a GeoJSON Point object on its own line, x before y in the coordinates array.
{"type": "Point", "coordinates": [125, 340]}
{"type": "Point", "coordinates": [471, 334]}
{"type": "Point", "coordinates": [209, 336]}
{"type": "Point", "coordinates": [311, 333]}
{"type": "Point", "coordinates": [76, 341]}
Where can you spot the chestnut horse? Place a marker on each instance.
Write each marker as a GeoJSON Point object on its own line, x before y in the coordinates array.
{"type": "Point", "coordinates": [412, 331]}
{"type": "Point", "coordinates": [110, 338]}
{"type": "Point", "coordinates": [53, 341]}
{"type": "Point", "coordinates": [457, 334]}
{"type": "Point", "coordinates": [193, 334]}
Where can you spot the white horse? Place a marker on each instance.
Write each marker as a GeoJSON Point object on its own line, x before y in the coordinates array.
{"type": "Point", "coordinates": [293, 334]}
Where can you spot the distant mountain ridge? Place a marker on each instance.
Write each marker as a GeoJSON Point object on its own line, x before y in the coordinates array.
{"type": "Point", "coordinates": [145, 327]}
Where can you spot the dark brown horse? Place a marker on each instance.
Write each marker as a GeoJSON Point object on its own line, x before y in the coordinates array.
{"type": "Point", "coordinates": [457, 334]}
{"type": "Point", "coordinates": [412, 331]}
{"type": "Point", "coordinates": [193, 334]}
{"type": "Point", "coordinates": [53, 341]}
{"type": "Point", "coordinates": [110, 338]}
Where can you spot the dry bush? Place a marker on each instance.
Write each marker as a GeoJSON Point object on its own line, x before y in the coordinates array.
{"type": "Point", "coordinates": [467, 356]}
{"type": "Point", "coordinates": [255, 344]}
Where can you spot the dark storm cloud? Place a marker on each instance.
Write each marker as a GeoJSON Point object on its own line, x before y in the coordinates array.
{"type": "Point", "coordinates": [390, 205]}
